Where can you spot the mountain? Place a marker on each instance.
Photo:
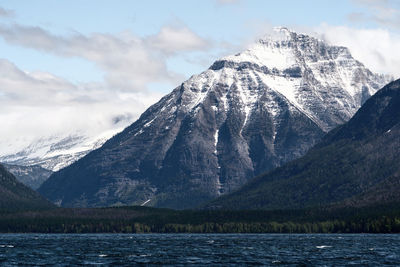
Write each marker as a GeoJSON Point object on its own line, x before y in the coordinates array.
{"type": "Point", "coordinates": [32, 164]}
{"type": "Point", "coordinates": [53, 152]}
{"type": "Point", "coordinates": [356, 164]}
{"type": "Point", "coordinates": [246, 114]}
{"type": "Point", "coordinates": [14, 196]}
{"type": "Point", "coordinates": [31, 176]}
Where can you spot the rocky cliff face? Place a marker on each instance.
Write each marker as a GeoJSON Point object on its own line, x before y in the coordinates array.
{"type": "Point", "coordinates": [246, 114]}
{"type": "Point", "coordinates": [356, 164]}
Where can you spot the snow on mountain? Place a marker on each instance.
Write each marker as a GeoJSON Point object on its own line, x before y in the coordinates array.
{"type": "Point", "coordinates": [54, 152]}
{"type": "Point", "coordinates": [288, 63]}
{"type": "Point", "coordinates": [246, 114]}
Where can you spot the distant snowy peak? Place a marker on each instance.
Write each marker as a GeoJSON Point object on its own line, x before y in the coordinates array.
{"type": "Point", "coordinates": [56, 152]}
{"type": "Point", "coordinates": [283, 49]}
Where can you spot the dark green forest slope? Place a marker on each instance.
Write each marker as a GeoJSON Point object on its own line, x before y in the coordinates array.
{"type": "Point", "coordinates": [14, 196]}
{"type": "Point", "coordinates": [373, 219]}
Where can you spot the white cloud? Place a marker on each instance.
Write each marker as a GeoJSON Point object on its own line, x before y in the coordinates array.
{"type": "Point", "coordinates": [38, 104]}
{"type": "Point", "coordinates": [126, 60]}
{"type": "Point", "coordinates": [171, 40]}
{"type": "Point", "coordinates": [20, 87]}
{"type": "Point", "coordinates": [129, 62]}
{"type": "Point", "coordinates": [378, 49]}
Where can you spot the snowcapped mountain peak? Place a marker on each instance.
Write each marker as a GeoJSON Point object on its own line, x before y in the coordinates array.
{"type": "Point", "coordinates": [266, 53]}
{"type": "Point", "coordinates": [283, 48]}
{"type": "Point", "coordinates": [288, 62]}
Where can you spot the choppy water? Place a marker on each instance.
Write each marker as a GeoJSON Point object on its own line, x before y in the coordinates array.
{"type": "Point", "coordinates": [200, 249]}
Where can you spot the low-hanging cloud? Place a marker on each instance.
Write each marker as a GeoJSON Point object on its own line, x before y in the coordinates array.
{"type": "Point", "coordinates": [38, 104]}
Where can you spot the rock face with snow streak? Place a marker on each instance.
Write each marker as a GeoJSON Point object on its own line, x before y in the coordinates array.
{"type": "Point", "coordinates": [246, 114]}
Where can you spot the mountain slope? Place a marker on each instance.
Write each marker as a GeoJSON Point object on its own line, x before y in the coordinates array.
{"type": "Point", "coordinates": [52, 153]}
{"type": "Point", "coordinates": [31, 176]}
{"type": "Point", "coordinates": [356, 164]}
{"type": "Point", "coordinates": [246, 114]}
{"type": "Point", "coordinates": [14, 196]}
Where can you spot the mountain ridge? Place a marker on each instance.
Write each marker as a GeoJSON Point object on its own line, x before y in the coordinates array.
{"type": "Point", "coordinates": [55, 152]}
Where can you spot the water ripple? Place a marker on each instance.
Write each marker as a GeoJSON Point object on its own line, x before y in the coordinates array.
{"type": "Point", "coordinates": [198, 249]}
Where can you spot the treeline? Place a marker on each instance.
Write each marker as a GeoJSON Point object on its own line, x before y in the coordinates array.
{"type": "Point", "coordinates": [148, 220]}
{"type": "Point", "coordinates": [382, 225]}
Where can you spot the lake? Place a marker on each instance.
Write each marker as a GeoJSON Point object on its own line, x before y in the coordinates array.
{"type": "Point", "coordinates": [200, 249]}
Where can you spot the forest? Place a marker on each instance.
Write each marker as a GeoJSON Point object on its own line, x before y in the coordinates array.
{"type": "Point", "coordinates": [377, 219]}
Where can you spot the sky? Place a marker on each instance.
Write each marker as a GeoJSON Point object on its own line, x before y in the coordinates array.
{"type": "Point", "coordinates": [95, 65]}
